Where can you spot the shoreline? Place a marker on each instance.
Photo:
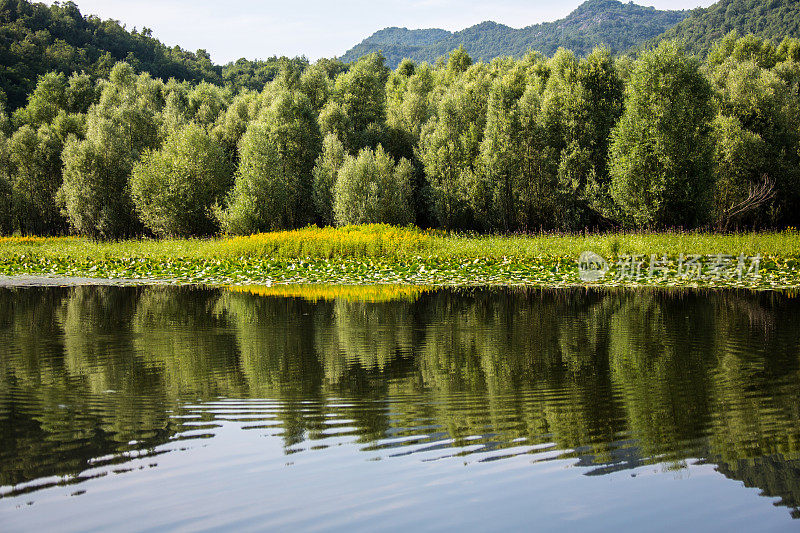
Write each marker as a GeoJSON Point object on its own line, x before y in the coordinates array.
{"type": "Point", "coordinates": [381, 255]}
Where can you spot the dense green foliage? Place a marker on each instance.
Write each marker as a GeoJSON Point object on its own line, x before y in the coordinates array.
{"type": "Point", "coordinates": [372, 188]}
{"type": "Point", "coordinates": [36, 38]}
{"type": "Point", "coordinates": [326, 172]}
{"type": "Point", "coordinates": [95, 194]}
{"type": "Point", "coordinates": [537, 143]}
{"type": "Point", "coordinates": [273, 187]}
{"type": "Point", "coordinates": [173, 187]}
{"type": "Point", "coordinates": [614, 24]}
{"type": "Point", "coordinates": [661, 148]}
{"type": "Point", "coordinates": [768, 19]}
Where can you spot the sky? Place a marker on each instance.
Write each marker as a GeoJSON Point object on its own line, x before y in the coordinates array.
{"type": "Point", "coordinates": [230, 29]}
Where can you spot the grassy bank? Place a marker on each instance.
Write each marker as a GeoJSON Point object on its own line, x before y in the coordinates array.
{"type": "Point", "coordinates": [383, 254]}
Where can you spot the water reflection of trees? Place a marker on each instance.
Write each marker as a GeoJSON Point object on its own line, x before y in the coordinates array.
{"type": "Point", "coordinates": [615, 378]}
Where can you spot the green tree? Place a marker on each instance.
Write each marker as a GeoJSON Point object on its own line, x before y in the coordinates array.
{"type": "Point", "coordinates": [176, 107]}
{"type": "Point", "coordinates": [7, 223]}
{"type": "Point", "coordinates": [762, 96]}
{"type": "Point", "coordinates": [458, 61]}
{"type": "Point", "coordinates": [590, 104]}
{"type": "Point", "coordinates": [206, 102]}
{"type": "Point", "coordinates": [81, 93]}
{"type": "Point", "coordinates": [259, 199]}
{"type": "Point", "coordinates": [175, 187]}
{"type": "Point", "coordinates": [361, 93]}
{"type": "Point", "coordinates": [273, 187]}
{"type": "Point", "coordinates": [450, 143]}
{"type": "Point", "coordinates": [739, 161]}
{"type": "Point", "coordinates": [95, 193]}
{"type": "Point", "coordinates": [409, 104]}
{"type": "Point", "coordinates": [371, 188]}
{"type": "Point", "coordinates": [47, 99]}
{"type": "Point", "coordinates": [35, 179]}
{"type": "Point", "coordinates": [232, 124]}
{"type": "Point", "coordinates": [317, 84]}
{"type": "Point", "coordinates": [326, 171]}
{"type": "Point", "coordinates": [661, 150]}
{"type": "Point", "coordinates": [497, 194]}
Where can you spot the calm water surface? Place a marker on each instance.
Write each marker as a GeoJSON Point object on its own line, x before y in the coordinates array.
{"type": "Point", "coordinates": [156, 408]}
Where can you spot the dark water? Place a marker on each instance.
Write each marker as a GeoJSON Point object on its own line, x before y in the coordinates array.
{"type": "Point", "coordinates": [164, 408]}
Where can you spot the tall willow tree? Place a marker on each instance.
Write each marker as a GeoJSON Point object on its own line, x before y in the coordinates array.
{"type": "Point", "coordinates": [358, 103]}
{"type": "Point", "coordinates": [47, 99]}
{"type": "Point", "coordinates": [450, 143]}
{"type": "Point", "coordinates": [231, 125]}
{"type": "Point", "coordinates": [6, 205]}
{"type": "Point", "coordinates": [55, 94]}
{"type": "Point", "coordinates": [273, 186]}
{"type": "Point", "coordinates": [740, 158]}
{"type": "Point", "coordinates": [408, 99]}
{"type": "Point", "coordinates": [592, 103]}
{"type": "Point", "coordinates": [36, 177]}
{"type": "Point", "coordinates": [34, 151]}
{"type": "Point", "coordinates": [95, 193]}
{"type": "Point", "coordinates": [409, 106]}
{"type": "Point", "coordinates": [326, 172]}
{"type": "Point", "coordinates": [661, 154]}
{"type": "Point", "coordinates": [757, 99]}
{"type": "Point", "coordinates": [318, 80]}
{"type": "Point", "coordinates": [174, 188]}
{"type": "Point", "coordinates": [372, 188]}
{"type": "Point", "coordinates": [508, 155]}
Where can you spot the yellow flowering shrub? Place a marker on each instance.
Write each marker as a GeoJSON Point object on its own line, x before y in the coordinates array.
{"type": "Point", "coordinates": [34, 240]}
{"type": "Point", "coordinates": [360, 241]}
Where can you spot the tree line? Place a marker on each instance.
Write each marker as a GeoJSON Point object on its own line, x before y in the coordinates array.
{"type": "Point", "coordinates": [559, 143]}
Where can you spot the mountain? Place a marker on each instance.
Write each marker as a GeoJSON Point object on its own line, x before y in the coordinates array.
{"type": "Point", "coordinates": [768, 19]}
{"type": "Point", "coordinates": [595, 22]}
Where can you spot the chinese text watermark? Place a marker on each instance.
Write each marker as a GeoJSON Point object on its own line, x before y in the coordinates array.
{"type": "Point", "coordinates": [593, 267]}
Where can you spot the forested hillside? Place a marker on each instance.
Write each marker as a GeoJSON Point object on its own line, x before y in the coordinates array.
{"type": "Point", "coordinates": [36, 38]}
{"type": "Point", "coordinates": [768, 19]}
{"type": "Point", "coordinates": [617, 25]}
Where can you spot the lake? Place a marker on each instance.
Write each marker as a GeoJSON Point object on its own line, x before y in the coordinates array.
{"type": "Point", "coordinates": [389, 408]}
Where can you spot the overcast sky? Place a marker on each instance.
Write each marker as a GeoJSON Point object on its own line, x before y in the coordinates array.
{"type": "Point", "coordinates": [230, 29]}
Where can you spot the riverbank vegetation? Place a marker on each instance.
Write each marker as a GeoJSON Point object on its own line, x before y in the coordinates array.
{"type": "Point", "coordinates": [379, 254]}
{"type": "Point", "coordinates": [534, 144]}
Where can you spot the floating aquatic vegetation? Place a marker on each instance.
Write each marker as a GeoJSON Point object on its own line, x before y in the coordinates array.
{"type": "Point", "coordinates": [386, 255]}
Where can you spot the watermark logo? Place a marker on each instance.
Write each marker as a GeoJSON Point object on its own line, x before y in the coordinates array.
{"type": "Point", "coordinates": [591, 266]}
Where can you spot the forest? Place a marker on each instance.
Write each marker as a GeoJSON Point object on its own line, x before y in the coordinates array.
{"type": "Point", "coordinates": [563, 143]}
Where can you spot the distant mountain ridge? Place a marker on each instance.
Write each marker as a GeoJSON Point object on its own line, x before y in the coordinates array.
{"type": "Point", "coordinates": [595, 22]}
